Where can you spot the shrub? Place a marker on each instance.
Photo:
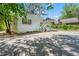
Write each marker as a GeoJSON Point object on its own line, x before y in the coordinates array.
{"type": "Point", "coordinates": [66, 26]}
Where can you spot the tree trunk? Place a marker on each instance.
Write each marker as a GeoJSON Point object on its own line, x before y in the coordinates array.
{"type": "Point", "coordinates": [7, 23]}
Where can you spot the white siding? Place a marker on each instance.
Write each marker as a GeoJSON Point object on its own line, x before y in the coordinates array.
{"type": "Point", "coordinates": [70, 20]}
{"type": "Point", "coordinates": [35, 26]}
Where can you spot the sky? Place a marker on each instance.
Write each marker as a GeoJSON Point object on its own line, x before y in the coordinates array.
{"type": "Point", "coordinates": [56, 11]}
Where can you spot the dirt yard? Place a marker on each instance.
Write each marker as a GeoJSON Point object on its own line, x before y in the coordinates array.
{"type": "Point", "coordinates": [61, 43]}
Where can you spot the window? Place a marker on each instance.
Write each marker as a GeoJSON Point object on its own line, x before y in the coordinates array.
{"type": "Point", "coordinates": [26, 21]}
{"type": "Point", "coordinates": [41, 23]}
{"type": "Point", "coordinates": [29, 21]}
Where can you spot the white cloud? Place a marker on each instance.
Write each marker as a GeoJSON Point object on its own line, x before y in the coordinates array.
{"type": "Point", "coordinates": [56, 17]}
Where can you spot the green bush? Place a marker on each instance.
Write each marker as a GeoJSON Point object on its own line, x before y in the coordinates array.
{"type": "Point", "coordinates": [66, 26]}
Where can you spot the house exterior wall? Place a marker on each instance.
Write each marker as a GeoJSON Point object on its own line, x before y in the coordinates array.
{"type": "Point", "coordinates": [14, 25]}
{"type": "Point", "coordinates": [35, 26]}
{"type": "Point", "coordinates": [70, 21]}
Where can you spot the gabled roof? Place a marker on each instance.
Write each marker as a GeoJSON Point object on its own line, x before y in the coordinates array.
{"type": "Point", "coordinates": [70, 20]}
{"type": "Point", "coordinates": [48, 20]}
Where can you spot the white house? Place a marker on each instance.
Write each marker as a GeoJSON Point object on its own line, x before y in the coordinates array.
{"type": "Point", "coordinates": [33, 23]}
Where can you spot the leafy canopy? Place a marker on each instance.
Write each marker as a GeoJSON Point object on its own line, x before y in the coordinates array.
{"type": "Point", "coordinates": [70, 10]}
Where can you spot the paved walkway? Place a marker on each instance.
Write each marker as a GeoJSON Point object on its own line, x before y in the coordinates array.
{"type": "Point", "coordinates": [41, 44]}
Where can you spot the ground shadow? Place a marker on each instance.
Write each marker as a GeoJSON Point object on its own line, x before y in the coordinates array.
{"type": "Point", "coordinates": [56, 45]}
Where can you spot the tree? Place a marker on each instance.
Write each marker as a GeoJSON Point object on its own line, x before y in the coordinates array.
{"type": "Point", "coordinates": [70, 10]}
{"type": "Point", "coordinates": [9, 10]}
{"type": "Point", "coordinates": [38, 8]}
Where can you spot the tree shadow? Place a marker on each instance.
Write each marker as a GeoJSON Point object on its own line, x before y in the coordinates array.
{"type": "Point", "coordinates": [70, 43]}
{"type": "Point", "coordinates": [53, 46]}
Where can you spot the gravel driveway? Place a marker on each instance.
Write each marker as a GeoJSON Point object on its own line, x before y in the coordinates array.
{"type": "Point", "coordinates": [61, 43]}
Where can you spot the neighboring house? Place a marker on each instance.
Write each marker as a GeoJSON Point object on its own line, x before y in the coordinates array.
{"type": "Point", "coordinates": [70, 21]}
{"type": "Point", "coordinates": [33, 23]}
{"type": "Point", "coordinates": [47, 23]}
